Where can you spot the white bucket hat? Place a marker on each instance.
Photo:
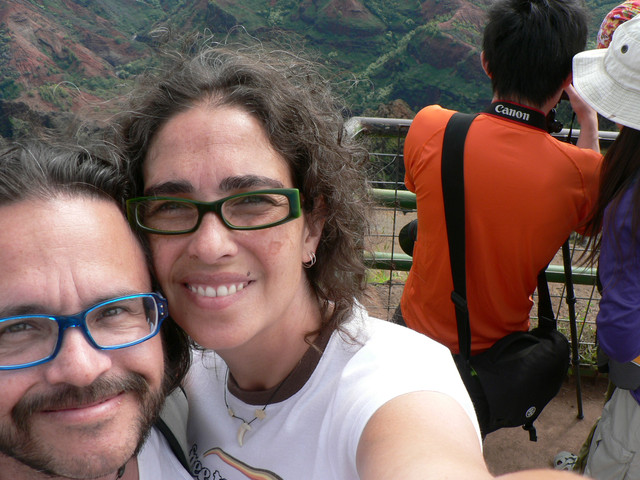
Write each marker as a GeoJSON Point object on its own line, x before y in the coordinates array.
{"type": "Point", "coordinates": [609, 79]}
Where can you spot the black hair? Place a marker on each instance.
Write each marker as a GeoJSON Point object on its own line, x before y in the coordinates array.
{"type": "Point", "coordinates": [529, 45]}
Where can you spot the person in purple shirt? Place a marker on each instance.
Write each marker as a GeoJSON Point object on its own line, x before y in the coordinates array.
{"type": "Point", "coordinates": [609, 81]}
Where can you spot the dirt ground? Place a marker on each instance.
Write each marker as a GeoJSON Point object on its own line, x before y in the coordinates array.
{"type": "Point", "coordinates": [558, 427]}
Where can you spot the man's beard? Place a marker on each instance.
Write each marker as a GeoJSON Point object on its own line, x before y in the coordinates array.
{"type": "Point", "coordinates": [19, 442]}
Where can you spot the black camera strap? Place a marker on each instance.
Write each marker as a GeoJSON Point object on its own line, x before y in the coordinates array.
{"type": "Point", "coordinates": [452, 173]}
{"type": "Point", "coordinates": [518, 113]}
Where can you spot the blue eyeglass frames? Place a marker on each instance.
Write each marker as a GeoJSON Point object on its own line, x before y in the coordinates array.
{"type": "Point", "coordinates": [29, 340]}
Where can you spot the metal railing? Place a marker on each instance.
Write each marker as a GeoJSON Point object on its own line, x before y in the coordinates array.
{"type": "Point", "coordinates": [396, 207]}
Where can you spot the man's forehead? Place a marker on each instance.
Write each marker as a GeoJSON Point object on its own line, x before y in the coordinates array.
{"type": "Point", "coordinates": [67, 252]}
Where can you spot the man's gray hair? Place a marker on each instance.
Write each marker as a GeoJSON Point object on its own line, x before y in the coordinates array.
{"type": "Point", "coordinates": [43, 169]}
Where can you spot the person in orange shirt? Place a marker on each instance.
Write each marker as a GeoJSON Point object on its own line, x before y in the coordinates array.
{"type": "Point", "coordinates": [525, 191]}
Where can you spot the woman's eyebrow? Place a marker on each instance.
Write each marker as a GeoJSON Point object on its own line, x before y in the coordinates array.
{"type": "Point", "coordinates": [172, 187]}
{"type": "Point", "coordinates": [248, 181]}
{"type": "Point", "coordinates": [236, 182]}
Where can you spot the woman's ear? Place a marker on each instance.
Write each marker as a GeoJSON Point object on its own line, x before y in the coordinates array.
{"type": "Point", "coordinates": [314, 221]}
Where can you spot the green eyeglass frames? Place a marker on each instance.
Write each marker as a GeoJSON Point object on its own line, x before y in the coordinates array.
{"type": "Point", "coordinates": [244, 211]}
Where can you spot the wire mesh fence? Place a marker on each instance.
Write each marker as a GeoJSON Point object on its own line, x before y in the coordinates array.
{"type": "Point", "coordinates": [389, 265]}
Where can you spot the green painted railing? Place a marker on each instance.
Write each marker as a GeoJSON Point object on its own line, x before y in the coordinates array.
{"type": "Point", "coordinates": [402, 262]}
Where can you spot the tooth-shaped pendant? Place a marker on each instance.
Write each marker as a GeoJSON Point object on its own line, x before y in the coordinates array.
{"type": "Point", "coordinates": [241, 431]}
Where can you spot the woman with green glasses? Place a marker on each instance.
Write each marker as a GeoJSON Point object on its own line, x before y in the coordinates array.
{"type": "Point", "coordinates": [254, 206]}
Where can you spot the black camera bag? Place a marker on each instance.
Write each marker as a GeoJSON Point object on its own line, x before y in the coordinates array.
{"type": "Point", "coordinates": [515, 379]}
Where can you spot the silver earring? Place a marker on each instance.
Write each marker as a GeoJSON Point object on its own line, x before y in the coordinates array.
{"type": "Point", "coordinates": [311, 262]}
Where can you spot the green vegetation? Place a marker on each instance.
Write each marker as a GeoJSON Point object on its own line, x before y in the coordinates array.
{"type": "Point", "coordinates": [19, 128]}
{"type": "Point", "coordinates": [56, 95]}
{"type": "Point", "coordinates": [399, 15]}
{"type": "Point", "coordinates": [131, 69]}
{"type": "Point", "coordinates": [9, 88]}
{"type": "Point", "coordinates": [67, 60]}
{"type": "Point", "coordinates": [104, 17]}
{"type": "Point", "coordinates": [378, 51]}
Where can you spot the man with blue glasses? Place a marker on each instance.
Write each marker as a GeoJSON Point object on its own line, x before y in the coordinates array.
{"type": "Point", "coordinates": [87, 354]}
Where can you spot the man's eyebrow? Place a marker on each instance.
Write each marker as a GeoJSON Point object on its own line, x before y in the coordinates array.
{"type": "Point", "coordinates": [169, 188]}
{"type": "Point", "coordinates": [249, 181]}
{"type": "Point", "coordinates": [39, 309]}
{"type": "Point", "coordinates": [24, 309]}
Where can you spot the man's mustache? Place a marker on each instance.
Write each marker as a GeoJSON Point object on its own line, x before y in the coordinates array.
{"type": "Point", "coordinates": [70, 396]}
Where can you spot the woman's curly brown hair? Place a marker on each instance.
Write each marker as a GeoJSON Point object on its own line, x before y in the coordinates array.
{"type": "Point", "coordinates": [304, 123]}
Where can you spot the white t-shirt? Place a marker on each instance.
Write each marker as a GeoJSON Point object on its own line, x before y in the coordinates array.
{"type": "Point", "coordinates": [156, 461]}
{"type": "Point", "coordinates": [314, 434]}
